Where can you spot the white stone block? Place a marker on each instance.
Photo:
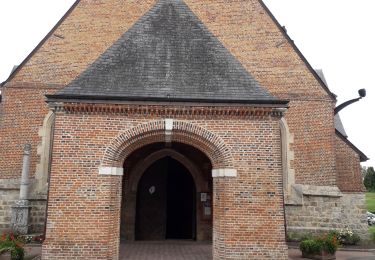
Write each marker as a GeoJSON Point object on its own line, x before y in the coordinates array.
{"type": "Point", "coordinates": [225, 172]}
{"type": "Point", "coordinates": [111, 171]}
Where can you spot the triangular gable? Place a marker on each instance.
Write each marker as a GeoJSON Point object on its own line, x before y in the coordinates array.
{"type": "Point", "coordinates": [61, 69]}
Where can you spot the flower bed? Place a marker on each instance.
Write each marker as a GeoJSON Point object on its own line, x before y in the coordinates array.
{"type": "Point", "coordinates": [10, 243]}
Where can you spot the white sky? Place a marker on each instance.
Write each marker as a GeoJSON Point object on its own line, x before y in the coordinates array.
{"type": "Point", "coordinates": [337, 36]}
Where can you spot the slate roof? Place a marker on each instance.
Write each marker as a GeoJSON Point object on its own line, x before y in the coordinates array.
{"type": "Point", "coordinates": [337, 120]}
{"type": "Point", "coordinates": [321, 76]}
{"type": "Point", "coordinates": [168, 55]}
{"type": "Point", "coordinates": [339, 126]}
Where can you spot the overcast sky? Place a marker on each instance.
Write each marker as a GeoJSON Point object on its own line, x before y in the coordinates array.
{"type": "Point", "coordinates": [337, 36]}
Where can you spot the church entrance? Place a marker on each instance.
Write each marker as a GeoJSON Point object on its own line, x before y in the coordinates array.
{"type": "Point", "coordinates": [165, 202]}
{"type": "Point", "coordinates": [167, 194]}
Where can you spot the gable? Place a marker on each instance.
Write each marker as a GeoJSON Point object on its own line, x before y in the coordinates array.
{"type": "Point", "coordinates": [246, 28]}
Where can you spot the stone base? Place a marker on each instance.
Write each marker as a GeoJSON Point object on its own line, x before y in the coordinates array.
{"type": "Point", "coordinates": [9, 194]}
{"type": "Point", "coordinates": [20, 217]}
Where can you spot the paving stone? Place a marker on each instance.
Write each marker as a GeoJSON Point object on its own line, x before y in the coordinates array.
{"type": "Point", "coordinates": [166, 250]}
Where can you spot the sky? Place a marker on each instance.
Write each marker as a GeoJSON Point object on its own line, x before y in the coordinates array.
{"type": "Point", "coordinates": [337, 36]}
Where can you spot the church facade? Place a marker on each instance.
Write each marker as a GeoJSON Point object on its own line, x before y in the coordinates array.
{"type": "Point", "coordinates": [175, 119]}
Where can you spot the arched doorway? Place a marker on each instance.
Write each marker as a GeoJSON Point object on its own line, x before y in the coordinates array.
{"type": "Point", "coordinates": [165, 202]}
{"type": "Point", "coordinates": [167, 194]}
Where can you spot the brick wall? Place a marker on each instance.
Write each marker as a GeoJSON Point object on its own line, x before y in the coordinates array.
{"type": "Point", "coordinates": [244, 27]}
{"type": "Point", "coordinates": [24, 110]}
{"type": "Point", "coordinates": [349, 177]}
{"type": "Point", "coordinates": [245, 207]}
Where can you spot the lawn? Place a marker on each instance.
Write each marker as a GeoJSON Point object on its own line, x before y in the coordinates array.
{"type": "Point", "coordinates": [370, 201]}
{"type": "Point", "coordinates": [372, 232]}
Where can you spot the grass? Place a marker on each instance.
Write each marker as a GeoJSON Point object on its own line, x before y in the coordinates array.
{"type": "Point", "coordinates": [372, 232]}
{"type": "Point", "coordinates": [370, 204]}
{"type": "Point", "coordinates": [370, 201]}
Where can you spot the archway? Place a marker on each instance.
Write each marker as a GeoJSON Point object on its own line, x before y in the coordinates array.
{"type": "Point", "coordinates": [120, 158]}
{"type": "Point", "coordinates": [168, 131]}
{"type": "Point", "coordinates": [148, 180]}
{"type": "Point", "coordinates": [165, 202]}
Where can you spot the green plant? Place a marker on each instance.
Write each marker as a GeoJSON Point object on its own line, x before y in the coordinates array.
{"type": "Point", "coordinates": [10, 243]}
{"type": "Point", "coordinates": [326, 243]}
{"type": "Point", "coordinates": [309, 246]}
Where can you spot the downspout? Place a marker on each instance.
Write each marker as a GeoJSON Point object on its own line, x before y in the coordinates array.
{"type": "Point", "coordinates": [362, 94]}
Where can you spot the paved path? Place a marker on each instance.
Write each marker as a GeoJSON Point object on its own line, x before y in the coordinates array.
{"type": "Point", "coordinates": [166, 250]}
{"type": "Point", "coordinates": [188, 250]}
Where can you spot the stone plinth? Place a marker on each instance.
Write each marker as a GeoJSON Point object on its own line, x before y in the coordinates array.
{"type": "Point", "coordinates": [20, 217]}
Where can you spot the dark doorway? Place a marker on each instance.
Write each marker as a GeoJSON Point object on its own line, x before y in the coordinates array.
{"type": "Point", "coordinates": [165, 202]}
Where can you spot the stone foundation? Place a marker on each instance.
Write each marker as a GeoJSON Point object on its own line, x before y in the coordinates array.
{"type": "Point", "coordinates": [317, 209]}
{"type": "Point", "coordinates": [9, 194]}
{"type": "Point", "coordinates": [38, 213]}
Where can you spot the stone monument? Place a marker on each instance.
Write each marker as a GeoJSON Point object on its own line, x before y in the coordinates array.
{"type": "Point", "coordinates": [21, 210]}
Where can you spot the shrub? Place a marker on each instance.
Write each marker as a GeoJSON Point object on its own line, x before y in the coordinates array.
{"type": "Point", "coordinates": [10, 243]}
{"type": "Point", "coordinates": [310, 246]}
{"type": "Point", "coordinates": [327, 243]}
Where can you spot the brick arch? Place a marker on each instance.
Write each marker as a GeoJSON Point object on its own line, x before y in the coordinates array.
{"type": "Point", "coordinates": [207, 142]}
